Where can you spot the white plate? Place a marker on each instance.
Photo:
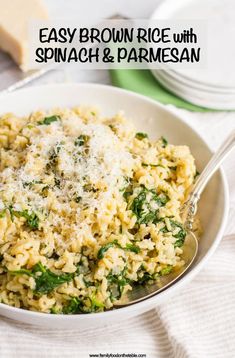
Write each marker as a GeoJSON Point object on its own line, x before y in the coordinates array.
{"type": "Point", "coordinates": [198, 85]}
{"type": "Point", "coordinates": [200, 98]}
{"type": "Point", "coordinates": [155, 119]}
{"type": "Point", "coordinates": [219, 16]}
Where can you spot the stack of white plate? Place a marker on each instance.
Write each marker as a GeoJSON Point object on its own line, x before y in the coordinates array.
{"type": "Point", "coordinates": [214, 86]}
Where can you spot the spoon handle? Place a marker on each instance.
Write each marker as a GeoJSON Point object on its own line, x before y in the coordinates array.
{"type": "Point", "coordinates": [190, 206]}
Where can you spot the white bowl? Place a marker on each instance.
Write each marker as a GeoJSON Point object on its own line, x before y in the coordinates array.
{"type": "Point", "coordinates": [155, 119]}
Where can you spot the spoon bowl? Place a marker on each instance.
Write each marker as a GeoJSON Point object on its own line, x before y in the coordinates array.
{"type": "Point", "coordinates": [142, 292]}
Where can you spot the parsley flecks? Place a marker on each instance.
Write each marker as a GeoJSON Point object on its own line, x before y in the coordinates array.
{"type": "Point", "coordinates": [128, 247]}
{"type": "Point", "coordinates": [81, 140]}
{"type": "Point", "coordinates": [146, 204]}
{"type": "Point", "coordinates": [141, 135]}
{"type": "Point", "coordinates": [48, 120]}
{"type": "Point", "coordinates": [46, 280]}
{"type": "Point", "coordinates": [164, 142]}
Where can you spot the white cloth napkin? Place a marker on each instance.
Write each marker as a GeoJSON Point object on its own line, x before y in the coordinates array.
{"type": "Point", "coordinates": [199, 322]}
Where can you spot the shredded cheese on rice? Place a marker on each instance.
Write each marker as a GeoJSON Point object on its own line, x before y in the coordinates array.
{"type": "Point", "coordinates": [88, 207]}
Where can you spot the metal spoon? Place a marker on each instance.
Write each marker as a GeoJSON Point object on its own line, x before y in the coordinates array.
{"type": "Point", "coordinates": [190, 247]}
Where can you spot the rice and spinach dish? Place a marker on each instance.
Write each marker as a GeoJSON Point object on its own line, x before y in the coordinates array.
{"type": "Point", "coordinates": [89, 207]}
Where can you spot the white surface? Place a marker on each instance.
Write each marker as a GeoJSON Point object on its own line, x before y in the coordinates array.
{"type": "Point", "coordinates": [156, 120]}
{"type": "Point", "coordinates": [198, 322]}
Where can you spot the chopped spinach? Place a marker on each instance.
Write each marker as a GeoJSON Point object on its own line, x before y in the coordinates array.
{"type": "Point", "coordinates": [31, 183]}
{"type": "Point", "coordinates": [22, 272]}
{"type": "Point", "coordinates": [147, 277]}
{"type": "Point", "coordinates": [77, 199]}
{"type": "Point", "coordinates": [53, 158]}
{"type": "Point", "coordinates": [48, 120]}
{"type": "Point", "coordinates": [146, 204]}
{"type": "Point", "coordinates": [132, 248]}
{"type": "Point", "coordinates": [46, 280]}
{"type": "Point", "coordinates": [166, 270]}
{"type": "Point", "coordinates": [152, 165]}
{"type": "Point", "coordinates": [32, 219]}
{"type": "Point", "coordinates": [127, 192]}
{"type": "Point", "coordinates": [54, 310]}
{"type": "Point", "coordinates": [128, 247]}
{"type": "Point", "coordinates": [81, 140]}
{"type": "Point", "coordinates": [116, 285]}
{"type": "Point", "coordinates": [196, 174]}
{"type": "Point", "coordinates": [2, 213]}
{"type": "Point", "coordinates": [164, 142]}
{"type": "Point", "coordinates": [141, 135]}
{"type": "Point", "coordinates": [95, 304]}
{"type": "Point", "coordinates": [57, 182]}
{"type": "Point", "coordinates": [88, 283]}
{"type": "Point", "coordinates": [179, 243]}
{"type": "Point", "coordinates": [180, 235]}
{"type": "Point", "coordinates": [105, 248]}
{"type": "Point", "coordinates": [73, 306]}
{"type": "Point", "coordinates": [126, 184]}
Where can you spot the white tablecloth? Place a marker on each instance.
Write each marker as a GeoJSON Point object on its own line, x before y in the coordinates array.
{"type": "Point", "coordinates": [197, 323]}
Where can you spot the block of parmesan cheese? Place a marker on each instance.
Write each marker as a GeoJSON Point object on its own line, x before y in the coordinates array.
{"type": "Point", "coordinates": [15, 16]}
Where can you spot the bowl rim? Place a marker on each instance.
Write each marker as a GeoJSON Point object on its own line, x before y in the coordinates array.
{"type": "Point", "coordinates": [148, 303]}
